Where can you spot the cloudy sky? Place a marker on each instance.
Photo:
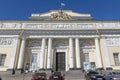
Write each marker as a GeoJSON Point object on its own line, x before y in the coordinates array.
{"type": "Point", "coordinates": [22, 9]}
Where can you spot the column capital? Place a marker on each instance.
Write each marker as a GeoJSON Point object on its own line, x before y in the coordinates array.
{"type": "Point", "coordinates": [44, 38]}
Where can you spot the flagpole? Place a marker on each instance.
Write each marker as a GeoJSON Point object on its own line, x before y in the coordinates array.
{"type": "Point", "coordinates": [62, 4]}
{"type": "Point", "coordinates": [60, 7]}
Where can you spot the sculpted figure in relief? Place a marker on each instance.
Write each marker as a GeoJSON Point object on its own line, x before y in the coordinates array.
{"type": "Point", "coordinates": [60, 16]}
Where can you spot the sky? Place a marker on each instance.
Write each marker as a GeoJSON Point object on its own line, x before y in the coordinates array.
{"type": "Point", "coordinates": [22, 9]}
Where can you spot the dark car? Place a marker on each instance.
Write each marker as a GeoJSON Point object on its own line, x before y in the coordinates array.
{"type": "Point", "coordinates": [100, 70]}
{"type": "Point", "coordinates": [112, 76]}
{"type": "Point", "coordinates": [39, 76]}
{"type": "Point", "coordinates": [93, 75]}
{"type": "Point", "coordinates": [56, 76]}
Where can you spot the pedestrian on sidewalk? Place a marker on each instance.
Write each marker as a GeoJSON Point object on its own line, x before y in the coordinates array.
{"type": "Point", "coordinates": [13, 72]}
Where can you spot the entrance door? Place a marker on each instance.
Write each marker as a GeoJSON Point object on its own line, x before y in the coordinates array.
{"type": "Point", "coordinates": [60, 61]}
{"type": "Point", "coordinates": [34, 61]}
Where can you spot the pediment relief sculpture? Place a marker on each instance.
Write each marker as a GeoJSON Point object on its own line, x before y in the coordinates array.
{"type": "Point", "coordinates": [60, 15]}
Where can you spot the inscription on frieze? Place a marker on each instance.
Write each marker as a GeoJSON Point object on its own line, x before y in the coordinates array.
{"type": "Point", "coordinates": [59, 26]}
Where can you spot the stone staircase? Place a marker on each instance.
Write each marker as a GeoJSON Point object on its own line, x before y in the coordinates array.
{"type": "Point", "coordinates": [74, 74]}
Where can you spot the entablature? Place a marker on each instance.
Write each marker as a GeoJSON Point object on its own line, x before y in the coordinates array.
{"type": "Point", "coordinates": [59, 25]}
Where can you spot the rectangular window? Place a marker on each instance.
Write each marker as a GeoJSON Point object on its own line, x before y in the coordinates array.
{"type": "Point", "coordinates": [86, 57]}
{"type": "Point", "coordinates": [2, 59]}
{"type": "Point", "coordinates": [116, 58]}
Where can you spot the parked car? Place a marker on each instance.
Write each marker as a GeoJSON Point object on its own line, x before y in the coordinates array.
{"type": "Point", "coordinates": [100, 70]}
{"type": "Point", "coordinates": [112, 76]}
{"type": "Point", "coordinates": [39, 76]}
{"type": "Point", "coordinates": [57, 76]}
{"type": "Point", "coordinates": [109, 68]}
{"type": "Point", "coordinates": [93, 75]}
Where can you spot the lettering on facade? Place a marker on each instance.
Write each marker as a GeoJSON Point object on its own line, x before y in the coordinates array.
{"type": "Point", "coordinates": [6, 41]}
{"type": "Point", "coordinates": [59, 26]}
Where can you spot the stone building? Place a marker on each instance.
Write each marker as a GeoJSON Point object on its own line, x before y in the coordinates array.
{"type": "Point", "coordinates": [61, 40]}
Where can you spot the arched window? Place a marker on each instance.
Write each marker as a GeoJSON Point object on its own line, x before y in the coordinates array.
{"type": "Point", "coordinates": [34, 44]}
{"type": "Point", "coordinates": [85, 44]}
{"type": "Point", "coordinates": [60, 44]}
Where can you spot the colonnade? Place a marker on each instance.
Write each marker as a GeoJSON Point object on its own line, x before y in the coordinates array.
{"type": "Point", "coordinates": [49, 55]}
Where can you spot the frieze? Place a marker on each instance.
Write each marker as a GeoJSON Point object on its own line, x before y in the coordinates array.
{"type": "Point", "coordinates": [59, 26]}
{"type": "Point", "coordinates": [108, 25]}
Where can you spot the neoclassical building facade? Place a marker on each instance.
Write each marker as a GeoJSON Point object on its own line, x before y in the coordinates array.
{"type": "Point", "coordinates": [61, 40]}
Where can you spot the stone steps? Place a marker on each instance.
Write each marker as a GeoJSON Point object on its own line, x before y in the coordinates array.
{"type": "Point", "coordinates": [75, 74]}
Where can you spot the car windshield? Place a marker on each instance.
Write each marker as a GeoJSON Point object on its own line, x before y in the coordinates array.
{"type": "Point", "coordinates": [116, 73]}
{"type": "Point", "coordinates": [93, 72]}
{"type": "Point", "coordinates": [57, 73]}
{"type": "Point", "coordinates": [40, 74]}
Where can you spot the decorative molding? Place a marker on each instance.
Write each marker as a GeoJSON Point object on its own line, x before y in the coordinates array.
{"type": "Point", "coordinates": [113, 41]}
{"type": "Point", "coordinates": [11, 25]}
{"type": "Point", "coordinates": [60, 43]}
{"type": "Point", "coordinates": [60, 15]}
{"type": "Point", "coordinates": [35, 44]}
{"type": "Point", "coordinates": [58, 25]}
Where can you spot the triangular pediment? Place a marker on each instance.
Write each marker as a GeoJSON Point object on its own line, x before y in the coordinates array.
{"type": "Point", "coordinates": [61, 15]}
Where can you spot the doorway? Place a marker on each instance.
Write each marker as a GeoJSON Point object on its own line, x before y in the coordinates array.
{"type": "Point", "coordinates": [60, 61]}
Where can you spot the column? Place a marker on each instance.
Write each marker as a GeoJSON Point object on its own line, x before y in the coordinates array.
{"type": "Point", "coordinates": [98, 53]}
{"type": "Point", "coordinates": [14, 51]}
{"type": "Point", "coordinates": [21, 55]}
{"type": "Point", "coordinates": [49, 57]}
{"type": "Point", "coordinates": [106, 55]}
{"type": "Point", "coordinates": [71, 54]}
{"type": "Point", "coordinates": [78, 66]}
{"type": "Point", "coordinates": [42, 54]}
